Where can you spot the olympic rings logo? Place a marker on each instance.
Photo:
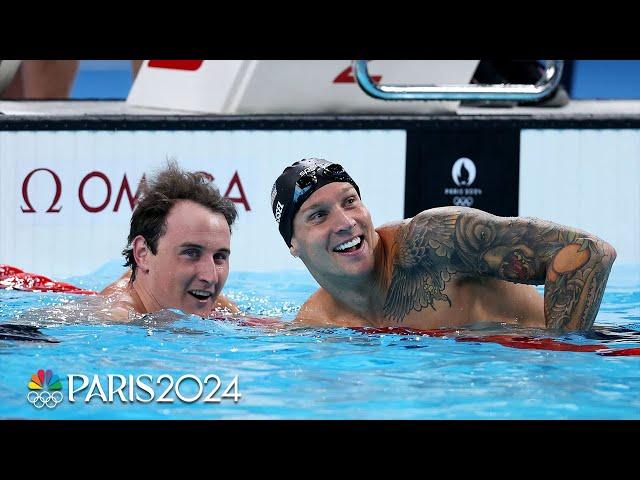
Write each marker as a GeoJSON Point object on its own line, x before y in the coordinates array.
{"type": "Point", "coordinates": [463, 201]}
{"type": "Point", "coordinates": [40, 399]}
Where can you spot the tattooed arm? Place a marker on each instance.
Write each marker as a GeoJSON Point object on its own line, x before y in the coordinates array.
{"type": "Point", "coordinates": [573, 265]}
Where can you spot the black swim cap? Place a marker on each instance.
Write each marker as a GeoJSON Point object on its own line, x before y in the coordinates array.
{"type": "Point", "coordinates": [296, 184]}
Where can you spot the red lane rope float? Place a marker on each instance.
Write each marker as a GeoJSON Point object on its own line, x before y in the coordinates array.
{"type": "Point", "coordinates": [524, 342]}
{"type": "Point", "coordinates": [508, 340]}
{"type": "Point", "coordinates": [621, 352]}
{"type": "Point", "coordinates": [16, 279]}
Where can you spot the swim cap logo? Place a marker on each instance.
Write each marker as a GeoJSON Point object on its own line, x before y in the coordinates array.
{"type": "Point", "coordinates": [274, 192]}
{"type": "Point", "coordinates": [463, 172]}
{"type": "Point", "coordinates": [307, 170]}
{"type": "Point", "coordinates": [50, 397]}
{"type": "Point", "coordinates": [279, 208]}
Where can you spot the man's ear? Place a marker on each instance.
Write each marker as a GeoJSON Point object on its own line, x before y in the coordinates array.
{"type": "Point", "coordinates": [141, 252]}
{"type": "Point", "coordinates": [293, 249]}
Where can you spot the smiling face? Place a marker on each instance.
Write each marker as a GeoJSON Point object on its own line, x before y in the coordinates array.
{"type": "Point", "coordinates": [191, 264]}
{"type": "Point", "coordinates": [333, 233]}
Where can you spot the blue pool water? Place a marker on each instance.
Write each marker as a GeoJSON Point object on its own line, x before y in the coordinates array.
{"type": "Point", "coordinates": [310, 373]}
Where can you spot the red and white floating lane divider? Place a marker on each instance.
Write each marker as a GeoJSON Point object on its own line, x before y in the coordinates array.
{"type": "Point", "coordinates": [16, 279]}
{"type": "Point", "coordinates": [507, 340]}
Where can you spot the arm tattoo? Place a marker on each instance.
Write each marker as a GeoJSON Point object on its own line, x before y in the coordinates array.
{"type": "Point", "coordinates": [421, 265]}
{"type": "Point", "coordinates": [575, 283]}
{"type": "Point", "coordinates": [573, 265]}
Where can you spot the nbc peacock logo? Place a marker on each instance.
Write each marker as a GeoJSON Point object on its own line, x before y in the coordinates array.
{"type": "Point", "coordinates": [44, 389]}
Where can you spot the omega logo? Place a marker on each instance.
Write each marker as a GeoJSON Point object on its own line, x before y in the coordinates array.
{"type": "Point", "coordinates": [124, 188]}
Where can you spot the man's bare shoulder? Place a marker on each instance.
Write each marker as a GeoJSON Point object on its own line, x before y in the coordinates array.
{"type": "Point", "coordinates": [437, 214]}
{"type": "Point", "coordinates": [121, 305]}
{"type": "Point", "coordinates": [313, 311]}
{"type": "Point", "coordinates": [319, 309]}
{"type": "Point", "coordinates": [391, 225]}
{"type": "Point", "coordinates": [433, 215]}
{"type": "Point", "coordinates": [119, 285]}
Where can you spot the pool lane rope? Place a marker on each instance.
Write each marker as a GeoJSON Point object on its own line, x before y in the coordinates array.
{"type": "Point", "coordinates": [12, 278]}
{"type": "Point", "coordinates": [507, 340]}
{"type": "Point", "coordinates": [16, 279]}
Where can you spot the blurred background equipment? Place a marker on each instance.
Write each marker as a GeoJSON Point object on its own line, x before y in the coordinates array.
{"type": "Point", "coordinates": [60, 80]}
{"type": "Point", "coordinates": [581, 79]}
{"type": "Point", "coordinates": [288, 86]}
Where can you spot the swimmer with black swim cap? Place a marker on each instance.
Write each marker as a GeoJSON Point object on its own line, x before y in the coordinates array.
{"type": "Point", "coordinates": [297, 183]}
{"type": "Point", "coordinates": [445, 267]}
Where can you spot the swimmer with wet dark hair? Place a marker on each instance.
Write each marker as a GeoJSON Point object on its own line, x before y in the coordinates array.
{"type": "Point", "coordinates": [445, 267]}
{"type": "Point", "coordinates": [178, 248]}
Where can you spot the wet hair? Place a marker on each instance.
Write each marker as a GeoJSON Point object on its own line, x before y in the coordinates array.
{"type": "Point", "coordinates": [159, 194]}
